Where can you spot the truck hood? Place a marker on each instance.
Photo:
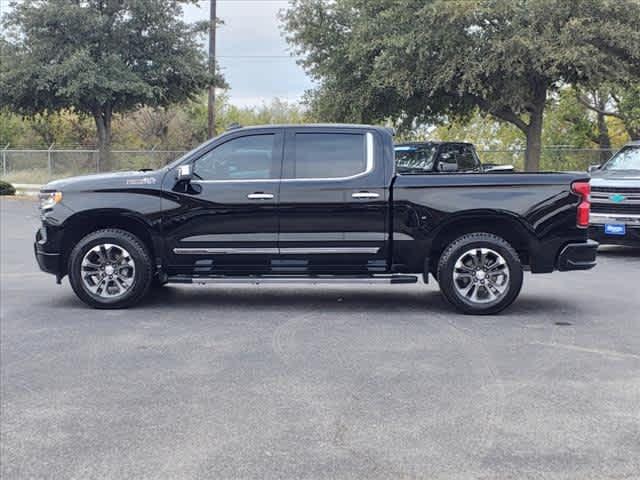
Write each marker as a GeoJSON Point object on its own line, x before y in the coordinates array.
{"type": "Point", "coordinates": [616, 178]}
{"type": "Point", "coordinates": [107, 180]}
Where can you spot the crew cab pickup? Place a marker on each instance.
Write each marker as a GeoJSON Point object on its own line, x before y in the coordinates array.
{"type": "Point", "coordinates": [311, 203]}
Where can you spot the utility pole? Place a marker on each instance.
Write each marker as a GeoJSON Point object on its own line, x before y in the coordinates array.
{"type": "Point", "coordinates": [212, 69]}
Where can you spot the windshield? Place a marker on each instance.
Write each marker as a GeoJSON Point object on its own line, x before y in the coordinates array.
{"type": "Point", "coordinates": [626, 159]}
{"type": "Point", "coordinates": [415, 158]}
{"type": "Point", "coordinates": [179, 160]}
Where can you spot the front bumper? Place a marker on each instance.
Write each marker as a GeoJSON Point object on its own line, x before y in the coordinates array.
{"type": "Point", "coordinates": [632, 227]}
{"type": "Point", "coordinates": [578, 256]}
{"type": "Point", "coordinates": [48, 261]}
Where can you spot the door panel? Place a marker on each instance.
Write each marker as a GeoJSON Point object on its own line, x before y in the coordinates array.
{"type": "Point", "coordinates": [335, 224]}
{"type": "Point", "coordinates": [226, 222]}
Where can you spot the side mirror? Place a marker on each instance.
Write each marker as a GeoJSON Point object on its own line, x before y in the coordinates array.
{"type": "Point", "coordinates": [593, 168]}
{"type": "Point", "coordinates": [184, 173]}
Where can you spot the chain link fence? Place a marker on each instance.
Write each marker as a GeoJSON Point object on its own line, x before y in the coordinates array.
{"type": "Point", "coordinates": [38, 166]}
{"type": "Point", "coordinates": [552, 159]}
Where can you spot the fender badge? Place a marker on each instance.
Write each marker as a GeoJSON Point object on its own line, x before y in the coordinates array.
{"type": "Point", "coordinates": [617, 198]}
{"type": "Point", "coordinates": [141, 181]}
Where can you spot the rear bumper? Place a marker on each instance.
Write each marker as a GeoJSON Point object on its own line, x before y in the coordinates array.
{"type": "Point", "coordinates": [578, 256]}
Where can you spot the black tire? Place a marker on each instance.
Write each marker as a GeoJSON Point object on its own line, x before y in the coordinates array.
{"type": "Point", "coordinates": [451, 291]}
{"type": "Point", "coordinates": [141, 278]}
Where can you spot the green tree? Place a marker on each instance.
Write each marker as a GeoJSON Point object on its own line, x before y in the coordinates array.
{"type": "Point", "coordinates": [420, 61]}
{"type": "Point", "coordinates": [570, 132]}
{"type": "Point", "coordinates": [601, 135]}
{"type": "Point", "coordinates": [275, 111]}
{"type": "Point", "coordinates": [41, 130]}
{"type": "Point", "coordinates": [616, 101]}
{"type": "Point", "coordinates": [12, 128]}
{"type": "Point", "coordinates": [483, 131]}
{"type": "Point", "coordinates": [100, 57]}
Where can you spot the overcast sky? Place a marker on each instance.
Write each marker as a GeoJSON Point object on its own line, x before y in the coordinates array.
{"type": "Point", "coordinates": [252, 52]}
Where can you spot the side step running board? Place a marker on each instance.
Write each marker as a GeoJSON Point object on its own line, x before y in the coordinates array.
{"type": "Point", "coordinates": [380, 279]}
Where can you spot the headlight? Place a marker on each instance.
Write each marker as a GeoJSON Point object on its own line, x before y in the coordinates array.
{"type": "Point", "coordinates": [49, 199]}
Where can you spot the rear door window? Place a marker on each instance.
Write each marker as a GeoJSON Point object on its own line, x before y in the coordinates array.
{"type": "Point", "coordinates": [329, 155]}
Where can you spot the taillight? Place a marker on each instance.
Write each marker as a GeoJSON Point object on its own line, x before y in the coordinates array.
{"type": "Point", "coordinates": [584, 190]}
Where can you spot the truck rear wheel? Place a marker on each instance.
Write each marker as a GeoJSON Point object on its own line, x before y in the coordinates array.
{"type": "Point", "coordinates": [110, 268]}
{"type": "Point", "coordinates": [480, 274]}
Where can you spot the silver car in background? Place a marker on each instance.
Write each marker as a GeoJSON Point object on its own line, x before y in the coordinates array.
{"type": "Point", "coordinates": [615, 198]}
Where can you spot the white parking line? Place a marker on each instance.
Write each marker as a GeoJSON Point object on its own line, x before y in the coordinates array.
{"type": "Point", "coordinates": [610, 353]}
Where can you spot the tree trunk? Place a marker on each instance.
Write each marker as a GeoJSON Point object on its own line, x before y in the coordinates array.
{"type": "Point", "coordinates": [103, 129]}
{"type": "Point", "coordinates": [534, 140]}
{"type": "Point", "coordinates": [604, 140]}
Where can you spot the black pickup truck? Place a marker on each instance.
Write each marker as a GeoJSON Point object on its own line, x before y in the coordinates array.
{"type": "Point", "coordinates": [443, 157]}
{"type": "Point", "coordinates": [312, 203]}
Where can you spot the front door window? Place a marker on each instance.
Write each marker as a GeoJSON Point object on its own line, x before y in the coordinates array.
{"type": "Point", "coordinates": [245, 158]}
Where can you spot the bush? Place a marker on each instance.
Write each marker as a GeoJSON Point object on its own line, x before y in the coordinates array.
{"type": "Point", "coordinates": [6, 188]}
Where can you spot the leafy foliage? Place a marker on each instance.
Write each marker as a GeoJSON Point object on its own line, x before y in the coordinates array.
{"type": "Point", "coordinates": [418, 61]}
{"type": "Point", "coordinates": [276, 111]}
{"type": "Point", "coordinates": [174, 127]}
{"type": "Point", "coordinates": [570, 135]}
{"type": "Point", "coordinates": [616, 101]}
{"type": "Point", "coordinates": [100, 57]}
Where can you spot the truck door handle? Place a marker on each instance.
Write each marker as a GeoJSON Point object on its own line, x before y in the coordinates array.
{"type": "Point", "coordinates": [260, 196]}
{"type": "Point", "coordinates": [361, 195]}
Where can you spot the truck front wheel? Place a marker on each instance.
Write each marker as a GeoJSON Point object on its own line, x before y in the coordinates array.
{"type": "Point", "coordinates": [110, 268]}
{"type": "Point", "coordinates": [480, 274]}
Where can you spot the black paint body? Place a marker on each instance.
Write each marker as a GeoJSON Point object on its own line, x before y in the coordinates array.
{"type": "Point", "coordinates": [315, 226]}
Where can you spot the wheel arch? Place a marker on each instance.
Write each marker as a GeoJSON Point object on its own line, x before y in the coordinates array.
{"type": "Point", "coordinates": [83, 223]}
{"type": "Point", "coordinates": [506, 225]}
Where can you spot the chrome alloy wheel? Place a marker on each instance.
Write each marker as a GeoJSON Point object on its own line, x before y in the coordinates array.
{"type": "Point", "coordinates": [108, 270]}
{"type": "Point", "coordinates": [481, 275]}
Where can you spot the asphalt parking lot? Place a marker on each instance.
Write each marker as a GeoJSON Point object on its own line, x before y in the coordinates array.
{"type": "Point", "coordinates": [314, 382]}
